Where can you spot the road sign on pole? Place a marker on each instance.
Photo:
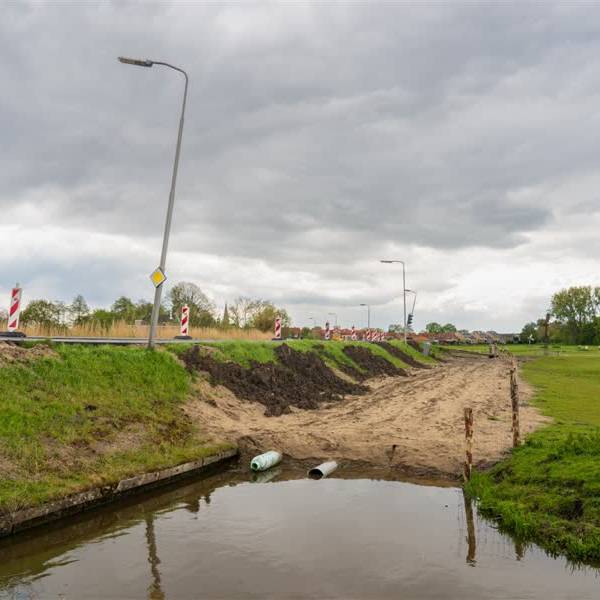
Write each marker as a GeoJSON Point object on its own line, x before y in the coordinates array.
{"type": "Point", "coordinates": [158, 277]}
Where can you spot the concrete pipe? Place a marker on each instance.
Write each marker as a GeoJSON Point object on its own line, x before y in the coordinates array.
{"type": "Point", "coordinates": [323, 470]}
{"type": "Point", "coordinates": [265, 461]}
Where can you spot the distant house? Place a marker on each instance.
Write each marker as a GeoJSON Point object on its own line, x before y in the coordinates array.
{"type": "Point", "coordinates": [509, 338]}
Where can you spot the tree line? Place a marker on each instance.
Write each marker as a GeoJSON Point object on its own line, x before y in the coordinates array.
{"type": "Point", "coordinates": [574, 318]}
{"type": "Point", "coordinates": [244, 312]}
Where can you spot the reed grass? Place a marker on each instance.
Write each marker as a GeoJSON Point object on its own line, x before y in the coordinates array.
{"type": "Point", "coordinates": [121, 329]}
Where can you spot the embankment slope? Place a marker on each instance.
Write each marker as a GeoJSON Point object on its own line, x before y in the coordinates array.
{"type": "Point", "coordinates": [412, 421]}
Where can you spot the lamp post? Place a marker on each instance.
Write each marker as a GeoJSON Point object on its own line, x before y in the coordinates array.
{"type": "Point", "coordinates": [368, 315]}
{"type": "Point", "coordinates": [403, 287]}
{"type": "Point", "coordinates": [165, 245]}
{"type": "Point", "coordinates": [334, 315]}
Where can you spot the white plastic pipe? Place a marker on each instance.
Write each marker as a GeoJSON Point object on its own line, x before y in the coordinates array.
{"type": "Point", "coordinates": [265, 461]}
{"type": "Point", "coordinates": [323, 470]}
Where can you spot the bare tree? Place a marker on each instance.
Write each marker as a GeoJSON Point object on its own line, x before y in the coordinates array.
{"type": "Point", "coordinates": [202, 309]}
{"type": "Point", "coordinates": [241, 311]}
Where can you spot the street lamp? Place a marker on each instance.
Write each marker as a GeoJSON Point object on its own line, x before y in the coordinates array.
{"type": "Point", "coordinates": [368, 315]}
{"type": "Point", "coordinates": [335, 316]}
{"type": "Point", "coordinates": [163, 256]}
{"type": "Point", "coordinates": [403, 287]}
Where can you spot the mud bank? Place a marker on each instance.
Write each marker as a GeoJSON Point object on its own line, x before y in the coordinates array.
{"type": "Point", "coordinates": [298, 379]}
{"type": "Point", "coordinates": [410, 423]}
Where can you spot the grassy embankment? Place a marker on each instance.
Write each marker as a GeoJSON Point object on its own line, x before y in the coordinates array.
{"type": "Point", "coordinates": [331, 352]}
{"type": "Point", "coordinates": [89, 416]}
{"type": "Point", "coordinates": [82, 416]}
{"type": "Point", "coordinates": [548, 491]}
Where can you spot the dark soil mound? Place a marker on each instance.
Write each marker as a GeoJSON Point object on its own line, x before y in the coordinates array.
{"type": "Point", "coordinates": [405, 358]}
{"type": "Point", "coordinates": [301, 379]}
{"type": "Point", "coordinates": [372, 364]}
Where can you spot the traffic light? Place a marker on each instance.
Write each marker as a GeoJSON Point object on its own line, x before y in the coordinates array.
{"type": "Point", "coordinates": [409, 321]}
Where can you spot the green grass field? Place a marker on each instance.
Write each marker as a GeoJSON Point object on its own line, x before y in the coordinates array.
{"type": "Point", "coordinates": [548, 491]}
{"type": "Point", "coordinates": [527, 349]}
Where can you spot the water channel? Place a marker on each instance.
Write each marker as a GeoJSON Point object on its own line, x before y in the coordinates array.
{"type": "Point", "coordinates": [279, 535]}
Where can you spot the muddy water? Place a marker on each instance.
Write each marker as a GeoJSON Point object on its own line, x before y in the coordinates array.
{"type": "Point", "coordinates": [279, 537]}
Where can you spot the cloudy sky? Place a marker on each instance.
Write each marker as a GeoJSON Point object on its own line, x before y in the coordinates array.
{"type": "Point", "coordinates": [319, 138]}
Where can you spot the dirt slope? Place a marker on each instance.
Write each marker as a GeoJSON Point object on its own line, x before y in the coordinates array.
{"type": "Point", "coordinates": [421, 415]}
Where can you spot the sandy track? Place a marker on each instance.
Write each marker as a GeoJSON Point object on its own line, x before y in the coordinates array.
{"type": "Point", "coordinates": [411, 423]}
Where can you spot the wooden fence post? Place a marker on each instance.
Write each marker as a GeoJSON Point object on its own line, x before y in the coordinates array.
{"type": "Point", "coordinates": [468, 443]}
{"type": "Point", "coordinates": [514, 398]}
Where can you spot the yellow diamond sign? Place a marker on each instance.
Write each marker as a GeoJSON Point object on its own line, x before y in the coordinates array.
{"type": "Point", "coordinates": [157, 277]}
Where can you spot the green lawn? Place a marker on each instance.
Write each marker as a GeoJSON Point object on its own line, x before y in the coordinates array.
{"type": "Point", "coordinates": [88, 416]}
{"type": "Point", "coordinates": [548, 491]}
{"type": "Point", "coordinates": [527, 349]}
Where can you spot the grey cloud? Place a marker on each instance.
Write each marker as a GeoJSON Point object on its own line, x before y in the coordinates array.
{"type": "Point", "coordinates": [316, 135]}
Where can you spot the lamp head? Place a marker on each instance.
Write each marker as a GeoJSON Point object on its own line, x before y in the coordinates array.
{"type": "Point", "coordinates": [135, 61]}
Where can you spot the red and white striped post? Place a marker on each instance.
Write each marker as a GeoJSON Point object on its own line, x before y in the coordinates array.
{"type": "Point", "coordinates": [14, 312]}
{"type": "Point", "coordinates": [327, 331]}
{"type": "Point", "coordinates": [184, 331]}
{"type": "Point", "coordinates": [277, 328]}
{"type": "Point", "coordinates": [185, 320]}
{"type": "Point", "coordinates": [368, 336]}
{"type": "Point", "coordinates": [353, 336]}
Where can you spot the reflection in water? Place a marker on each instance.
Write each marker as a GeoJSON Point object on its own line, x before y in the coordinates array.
{"type": "Point", "coordinates": [154, 590]}
{"type": "Point", "coordinates": [266, 476]}
{"type": "Point", "coordinates": [471, 540]}
{"type": "Point", "coordinates": [336, 538]}
{"type": "Point", "coordinates": [519, 550]}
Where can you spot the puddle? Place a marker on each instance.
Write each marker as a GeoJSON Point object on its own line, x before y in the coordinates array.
{"type": "Point", "coordinates": [278, 536]}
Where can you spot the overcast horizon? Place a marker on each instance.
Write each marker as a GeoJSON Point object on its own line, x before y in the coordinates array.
{"type": "Point", "coordinates": [319, 139]}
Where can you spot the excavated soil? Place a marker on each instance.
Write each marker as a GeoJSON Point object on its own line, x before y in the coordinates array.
{"type": "Point", "coordinates": [405, 424]}
{"type": "Point", "coordinates": [405, 358]}
{"type": "Point", "coordinates": [13, 353]}
{"type": "Point", "coordinates": [372, 364]}
{"type": "Point", "coordinates": [300, 379]}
